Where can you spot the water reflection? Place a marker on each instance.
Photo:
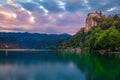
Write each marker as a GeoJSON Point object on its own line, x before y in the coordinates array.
{"type": "Point", "coordinates": [53, 65]}
{"type": "Point", "coordinates": [96, 66]}
{"type": "Point", "coordinates": [45, 65]}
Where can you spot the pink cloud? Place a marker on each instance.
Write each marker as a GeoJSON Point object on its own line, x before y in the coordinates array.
{"type": "Point", "coordinates": [15, 19]}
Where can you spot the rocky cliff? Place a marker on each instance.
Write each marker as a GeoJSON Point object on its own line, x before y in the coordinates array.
{"type": "Point", "coordinates": [90, 20]}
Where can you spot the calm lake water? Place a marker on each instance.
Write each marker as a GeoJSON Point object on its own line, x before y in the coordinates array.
{"type": "Point", "coordinates": [54, 65]}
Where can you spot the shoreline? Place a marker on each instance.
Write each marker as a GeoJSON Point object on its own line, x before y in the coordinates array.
{"type": "Point", "coordinates": [25, 50]}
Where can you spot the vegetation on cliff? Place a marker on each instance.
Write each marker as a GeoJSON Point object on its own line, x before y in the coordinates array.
{"type": "Point", "coordinates": [106, 35]}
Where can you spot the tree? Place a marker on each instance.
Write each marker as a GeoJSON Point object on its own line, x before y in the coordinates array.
{"type": "Point", "coordinates": [94, 35]}
{"type": "Point", "coordinates": [109, 39]}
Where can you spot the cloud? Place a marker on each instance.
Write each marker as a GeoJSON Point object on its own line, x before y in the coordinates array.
{"type": "Point", "coordinates": [111, 9]}
{"type": "Point", "coordinates": [44, 9]}
{"type": "Point", "coordinates": [50, 16]}
{"type": "Point", "coordinates": [9, 1]}
{"type": "Point", "coordinates": [61, 22]}
{"type": "Point", "coordinates": [32, 19]}
{"type": "Point", "coordinates": [61, 5]}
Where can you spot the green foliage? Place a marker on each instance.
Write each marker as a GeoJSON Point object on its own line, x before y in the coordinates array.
{"type": "Point", "coordinates": [76, 41]}
{"type": "Point", "coordinates": [106, 35]}
{"type": "Point", "coordinates": [108, 39]}
{"type": "Point", "coordinates": [93, 37]}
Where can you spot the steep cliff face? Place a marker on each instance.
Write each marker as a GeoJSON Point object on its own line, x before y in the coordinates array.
{"type": "Point", "coordinates": [90, 20]}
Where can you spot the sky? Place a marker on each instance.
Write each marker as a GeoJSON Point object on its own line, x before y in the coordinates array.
{"type": "Point", "coordinates": [51, 16]}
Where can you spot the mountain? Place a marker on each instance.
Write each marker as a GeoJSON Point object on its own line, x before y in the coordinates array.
{"type": "Point", "coordinates": [30, 40]}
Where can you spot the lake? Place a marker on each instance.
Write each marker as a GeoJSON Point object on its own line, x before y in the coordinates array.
{"type": "Point", "coordinates": [58, 65]}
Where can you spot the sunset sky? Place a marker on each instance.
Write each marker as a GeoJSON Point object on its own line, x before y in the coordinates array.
{"type": "Point", "coordinates": [50, 16]}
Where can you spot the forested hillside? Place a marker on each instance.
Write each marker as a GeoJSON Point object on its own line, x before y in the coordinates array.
{"type": "Point", "coordinates": [30, 40]}
{"type": "Point", "coordinates": [106, 35]}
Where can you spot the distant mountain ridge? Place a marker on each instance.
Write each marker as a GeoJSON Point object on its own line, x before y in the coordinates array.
{"type": "Point", "coordinates": [30, 40]}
